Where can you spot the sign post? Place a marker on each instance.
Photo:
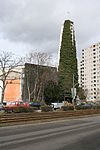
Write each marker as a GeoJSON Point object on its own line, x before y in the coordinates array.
{"type": "Point", "coordinates": [73, 90]}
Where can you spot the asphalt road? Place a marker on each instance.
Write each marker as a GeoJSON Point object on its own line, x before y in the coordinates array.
{"type": "Point", "coordinates": [71, 134]}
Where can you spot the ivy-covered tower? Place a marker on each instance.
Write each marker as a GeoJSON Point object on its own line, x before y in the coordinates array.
{"type": "Point", "coordinates": [68, 61]}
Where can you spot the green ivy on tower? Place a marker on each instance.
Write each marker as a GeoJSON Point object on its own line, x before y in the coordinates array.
{"type": "Point", "coordinates": [68, 61]}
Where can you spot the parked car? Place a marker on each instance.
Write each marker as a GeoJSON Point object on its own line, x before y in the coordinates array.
{"type": "Point", "coordinates": [34, 104]}
{"type": "Point", "coordinates": [57, 105]}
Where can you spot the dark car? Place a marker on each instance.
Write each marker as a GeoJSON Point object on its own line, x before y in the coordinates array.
{"type": "Point", "coordinates": [34, 104]}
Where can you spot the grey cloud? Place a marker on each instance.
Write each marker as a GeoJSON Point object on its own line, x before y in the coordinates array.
{"type": "Point", "coordinates": [30, 25]}
{"type": "Point", "coordinates": [38, 22]}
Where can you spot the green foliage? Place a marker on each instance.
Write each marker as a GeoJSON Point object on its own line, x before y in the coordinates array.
{"type": "Point", "coordinates": [79, 107]}
{"type": "Point", "coordinates": [82, 107]}
{"type": "Point", "coordinates": [81, 93]}
{"type": "Point", "coordinates": [68, 60]}
{"type": "Point", "coordinates": [65, 108]}
{"type": "Point", "coordinates": [43, 103]}
{"type": "Point", "coordinates": [51, 92]}
{"type": "Point", "coordinates": [19, 109]}
{"type": "Point", "coordinates": [35, 100]}
{"type": "Point", "coordinates": [46, 108]}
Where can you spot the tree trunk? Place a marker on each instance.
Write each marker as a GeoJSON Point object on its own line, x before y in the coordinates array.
{"type": "Point", "coordinates": [39, 92]}
{"type": "Point", "coordinates": [35, 87]}
{"type": "Point", "coordinates": [2, 96]}
{"type": "Point", "coordinates": [3, 90]}
{"type": "Point", "coordinates": [29, 95]}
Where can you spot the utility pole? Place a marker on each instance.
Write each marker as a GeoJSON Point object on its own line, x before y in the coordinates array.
{"type": "Point", "coordinates": [73, 91]}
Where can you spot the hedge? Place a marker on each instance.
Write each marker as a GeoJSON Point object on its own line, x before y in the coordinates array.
{"type": "Point", "coordinates": [19, 109]}
{"type": "Point", "coordinates": [65, 108]}
{"type": "Point", "coordinates": [46, 108]}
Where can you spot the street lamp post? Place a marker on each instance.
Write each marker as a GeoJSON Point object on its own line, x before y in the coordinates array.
{"type": "Point", "coordinates": [73, 92]}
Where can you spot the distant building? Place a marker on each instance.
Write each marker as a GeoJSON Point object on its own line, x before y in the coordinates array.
{"type": "Point", "coordinates": [13, 87]}
{"type": "Point", "coordinates": [34, 79]}
{"type": "Point", "coordinates": [79, 74]}
{"type": "Point", "coordinates": [28, 81]}
{"type": "Point", "coordinates": [90, 72]}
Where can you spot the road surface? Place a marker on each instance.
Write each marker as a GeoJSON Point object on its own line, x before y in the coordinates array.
{"type": "Point", "coordinates": [71, 134]}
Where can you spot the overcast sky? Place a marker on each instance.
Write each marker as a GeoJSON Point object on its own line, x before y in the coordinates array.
{"type": "Point", "coordinates": [27, 25]}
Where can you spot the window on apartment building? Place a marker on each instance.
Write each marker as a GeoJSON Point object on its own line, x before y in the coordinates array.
{"type": "Point", "coordinates": [94, 57]}
{"type": "Point", "coordinates": [94, 80]}
{"type": "Point", "coordinates": [94, 84]}
{"type": "Point", "coordinates": [93, 49]}
{"type": "Point", "coordinates": [94, 61]}
{"type": "Point", "coordinates": [94, 53]}
{"type": "Point", "coordinates": [93, 45]}
{"type": "Point", "coordinates": [94, 65]}
{"type": "Point", "coordinates": [94, 77]}
{"type": "Point", "coordinates": [94, 89]}
{"type": "Point", "coordinates": [94, 69]}
{"type": "Point", "coordinates": [94, 96]}
{"type": "Point", "coordinates": [94, 93]}
{"type": "Point", "coordinates": [94, 73]}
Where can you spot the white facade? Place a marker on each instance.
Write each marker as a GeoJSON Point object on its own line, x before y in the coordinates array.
{"type": "Point", "coordinates": [90, 72]}
{"type": "Point", "coordinates": [79, 73]}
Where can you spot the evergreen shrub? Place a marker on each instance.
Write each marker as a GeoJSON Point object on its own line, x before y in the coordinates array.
{"type": "Point", "coordinates": [46, 108]}
{"type": "Point", "coordinates": [65, 108]}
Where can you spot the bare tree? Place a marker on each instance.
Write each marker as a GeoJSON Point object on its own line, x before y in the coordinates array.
{"type": "Point", "coordinates": [82, 93]}
{"type": "Point", "coordinates": [39, 59]}
{"type": "Point", "coordinates": [97, 94]}
{"type": "Point", "coordinates": [8, 61]}
{"type": "Point", "coordinates": [86, 93]}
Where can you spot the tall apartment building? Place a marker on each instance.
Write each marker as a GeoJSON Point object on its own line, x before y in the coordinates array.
{"type": "Point", "coordinates": [90, 72]}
